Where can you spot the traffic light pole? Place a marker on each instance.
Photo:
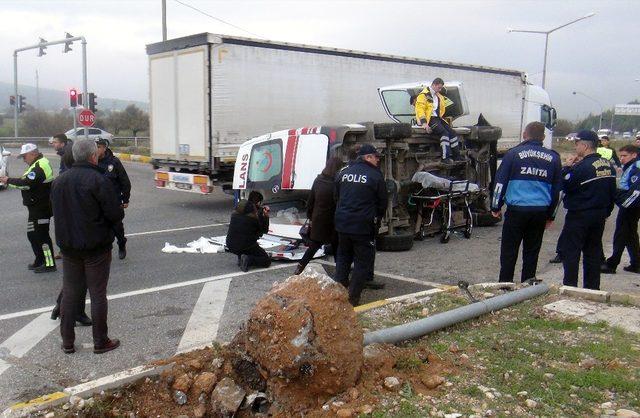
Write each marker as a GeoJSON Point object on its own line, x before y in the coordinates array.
{"type": "Point", "coordinates": [41, 46]}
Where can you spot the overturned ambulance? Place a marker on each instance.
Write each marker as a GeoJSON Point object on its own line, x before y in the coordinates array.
{"type": "Point", "coordinates": [426, 197]}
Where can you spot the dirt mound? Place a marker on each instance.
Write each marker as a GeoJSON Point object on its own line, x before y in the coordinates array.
{"type": "Point", "coordinates": [300, 353]}
{"type": "Point", "coordinates": [306, 338]}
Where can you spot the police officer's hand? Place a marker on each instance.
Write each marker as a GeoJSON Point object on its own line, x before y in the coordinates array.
{"type": "Point", "coordinates": [496, 214]}
{"type": "Point", "coordinates": [125, 205]}
{"type": "Point", "coordinates": [266, 210]}
{"type": "Point", "coordinates": [548, 224]}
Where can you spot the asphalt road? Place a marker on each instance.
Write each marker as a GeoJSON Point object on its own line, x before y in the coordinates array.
{"type": "Point", "coordinates": [158, 300]}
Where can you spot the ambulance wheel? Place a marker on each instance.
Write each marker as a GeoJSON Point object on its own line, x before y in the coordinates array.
{"type": "Point", "coordinates": [444, 238]}
{"type": "Point", "coordinates": [392, 130]}
{"type": "Point", "coordinates": [489, 133]}
{"type": "Point", "coordinates": [399, 241]}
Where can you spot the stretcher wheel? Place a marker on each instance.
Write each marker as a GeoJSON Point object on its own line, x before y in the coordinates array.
{"type": "Point", "coordinates": [445, 237]}
{"type": "Point", "coordinates": [467, 233]}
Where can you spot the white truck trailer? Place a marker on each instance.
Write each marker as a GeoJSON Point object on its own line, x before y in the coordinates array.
{"type": "Point", "coordinates": [209, 93]}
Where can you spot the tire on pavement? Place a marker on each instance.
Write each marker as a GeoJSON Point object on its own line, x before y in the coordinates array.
{"type": "Point", "coordinates": [392, 130]}
{"type": "Point", "coordinates": [399, 241]}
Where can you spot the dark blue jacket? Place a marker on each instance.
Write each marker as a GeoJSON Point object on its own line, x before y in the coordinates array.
{"type": "Point", "coordinates": [66, 157]}
{"type": "Point", "coordinates": [85, 210]}
{"type": "Point", "coordinates": [629, 186]}
{"type": "Point", "coordinates": [362, 197]}
{"type": "Point", "coordinates": [529, 179]}
{"type": "Point", "coordinates": [589, 184]}
{"type": "Point", "coordinates": [114, 171]}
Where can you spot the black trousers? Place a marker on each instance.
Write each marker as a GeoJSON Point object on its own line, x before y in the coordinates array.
{"type": "Point", "coordinates": [359, 250]}
{"type": "Point", "coordinates": [526, 228]}
{"type": "Point", "coordinates": [313, 248]}
{"type": "Point", "coordinates": [582, 235]}
{"type": "Point", "coordinates": [448, 138]}
{"type": "Point", "coordinates": [626, 236]}
{"type": "Point", "coordinates": [78, 275]}
{"type": "Point", "coordinates": [258, 257]}
{"type": "Point", "coordinates": [40, 240]}
{"type": "Point", "coordinates": [118, 230]}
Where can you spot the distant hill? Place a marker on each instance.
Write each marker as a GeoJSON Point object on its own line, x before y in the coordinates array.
{"type": "Point", "coordinates": [58, 99]}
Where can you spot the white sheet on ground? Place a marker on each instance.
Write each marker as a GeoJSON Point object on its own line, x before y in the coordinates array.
{"type": "Point", "coordinates": [200, 246]}
{"type": "Point", "coordinates": [429, 180]}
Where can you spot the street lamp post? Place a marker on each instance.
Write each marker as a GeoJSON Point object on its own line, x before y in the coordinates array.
{"type": "Point", "coordinates": [546, 34]}
{"type": "Point", "coordinates": [596, 101]}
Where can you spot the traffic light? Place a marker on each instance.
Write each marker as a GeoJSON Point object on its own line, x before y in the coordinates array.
{"type": "Point", "coordinates": [67, 45]}
{"type": "Point", "coordinates": [12, 100]}
{"type": "Point", "coordinates": [73, 98]}
{"type": "Point", "coordinates": [80, 102]}
{"type": "Point", "coordinates": [42, 52]}
{"type": "Point", "coordinates": [92, 101]}
{"type": "Point", "coordinates": [22, 103]}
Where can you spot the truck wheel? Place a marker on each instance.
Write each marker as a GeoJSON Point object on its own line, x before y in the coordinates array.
{"type": "Point", "coordinates": [489, 133]}
{"type": "Point", "coordinates": [392, 130]}
{"type": "Point", "coordinates": [400, 241]}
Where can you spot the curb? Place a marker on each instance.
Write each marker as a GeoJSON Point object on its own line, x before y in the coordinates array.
{"type": "Point", "coordinates": [601, 296]}
{"type": "Point", "coordinates": [123, 156]}
{"type": "Point", "coordinates": [24, 409]}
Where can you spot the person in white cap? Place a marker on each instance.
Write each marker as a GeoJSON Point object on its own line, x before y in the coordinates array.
{"type": "Point", "coordinates": [35, 185]}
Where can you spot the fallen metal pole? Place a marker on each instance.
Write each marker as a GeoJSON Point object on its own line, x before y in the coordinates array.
{"type": "Point", "coordinates": [442, 320]}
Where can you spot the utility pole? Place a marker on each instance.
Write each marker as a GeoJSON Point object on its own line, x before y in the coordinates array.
{"type": "Point", "coordinates": [164, 20]}
{"type": "Point", "coordinates": [37, 91]}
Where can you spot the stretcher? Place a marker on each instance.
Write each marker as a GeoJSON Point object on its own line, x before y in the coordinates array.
{"type": "Point", "coordinates": [444, 207]}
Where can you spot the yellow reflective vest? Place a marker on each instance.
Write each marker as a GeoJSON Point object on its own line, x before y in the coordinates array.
{"type": "Point", "coordinates": [606, 153]}
{"type": "Point", "coordinates": [424, 106]}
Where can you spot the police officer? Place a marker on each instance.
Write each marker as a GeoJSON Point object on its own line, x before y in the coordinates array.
{"type": "Point", "coordinates": [114, 171]}
{"type": "Point", "coordinates": [589, 188]}
{"type": "Point", "coordinates": [628, 201]}
{"type": "Point", "coordinates": [430, 108]}
{"type": "Point", "coordinates": [361, 203]}
{"type": "Point", "coordinates": [607, 152]}
{"type": "Point", "coordinates": [529, 180]}
{"type": "Point", "coordinates": [35, 185]}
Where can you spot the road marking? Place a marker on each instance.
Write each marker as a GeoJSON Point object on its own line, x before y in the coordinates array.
{"type": "Point", "coordinates": [24, 340]}
{"type": "Point", "coordinates": [186, 228]}
{"type": "Point", "coordinates": [392, 276]}
{"type": "Point", "coordinates": [202, 328]}
{"type": "Point", "coordinates": [47, 309]}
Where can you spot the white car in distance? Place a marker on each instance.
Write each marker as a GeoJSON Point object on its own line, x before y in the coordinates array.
{"type": "Point", "coordinates": [94, 133]}
{"type": "Point", "coordinates": [4, 161]}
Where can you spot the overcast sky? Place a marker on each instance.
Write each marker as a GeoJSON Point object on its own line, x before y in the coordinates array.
{"type": "Point", "coordinates": [599, 56]}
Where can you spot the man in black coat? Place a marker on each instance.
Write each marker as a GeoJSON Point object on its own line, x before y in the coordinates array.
{"type": "Point", "coordinates": [362, 202]}
{"type": "Point", "coordinates": [85, 209]}
{"type": "Point", "coordinates": [63, 145]}
{"type": "Point", "coordinates": [248, 222]}
{"type": "Point", "coordinates": [115, 172]}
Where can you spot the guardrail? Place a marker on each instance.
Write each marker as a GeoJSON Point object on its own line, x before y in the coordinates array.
{"type": "Point", "coordinates": [116, 140]}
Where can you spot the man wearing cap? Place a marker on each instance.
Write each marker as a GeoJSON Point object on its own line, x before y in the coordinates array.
{"type": "Point", "coordinates": [114, 171]}
{"type": "Point", "coordinates": [529, 181]}
{"type": "Point", "coordinates": [361, 203]}
{"type": "Point", "coordinates": [589, 188]}
{"type": "Point", "coordinates": [430, 108]}
{"type": "Point", "coordinates": [35, 185]}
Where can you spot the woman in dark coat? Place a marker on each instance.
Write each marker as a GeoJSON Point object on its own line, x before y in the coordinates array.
{"type": "Point", "coordinates": [321, 209]}
{"type": "Point", "coordinates": [248, 222]}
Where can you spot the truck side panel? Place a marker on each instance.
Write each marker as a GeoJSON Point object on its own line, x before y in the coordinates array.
{"type": "Point", "coordinates": [179, 103]}
{"type": "Point", "coordinates": [259, 89]}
